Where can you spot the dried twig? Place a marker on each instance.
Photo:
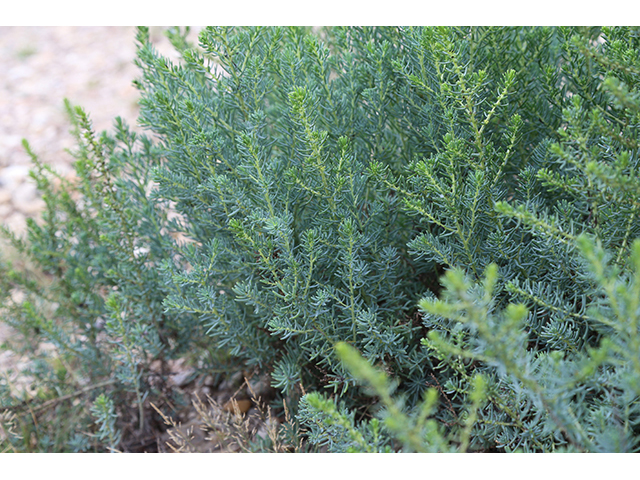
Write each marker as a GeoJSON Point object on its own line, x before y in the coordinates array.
{"type": "Point", "coordinates": [54, 401]}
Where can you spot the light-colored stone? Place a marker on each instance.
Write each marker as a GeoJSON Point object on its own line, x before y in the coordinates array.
{"type": "Point", "coordinates": [5, 210]}
{"type": "Point", "coordinates": [181, 378]}
{"type": "Point", "coordinates": [5, 196]}
{"type": "Point", "coordinates": [23, 194]}
{"type": "Point", "coordinates": [13, 175]}
{"type": "Point", "coordinates": [10, 141]}
{"type": "Point", "coordinates": [259, 386]}
{"type": "Point", "coordinates": [32, 208]}
{"type": "Point", "coordinates": [17, 296]}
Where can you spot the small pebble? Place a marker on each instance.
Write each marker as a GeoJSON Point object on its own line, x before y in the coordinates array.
{"type": "Point", "coordinates": [24, 194]}
{"type": "Point", "coordinates": [182, 378]}
{"type": "Point", "coordinates": [13, 175]}
{"type": "Point", "coordinates": [5, 210]}
{"type": "Point", "coordinates": [5, 197]}
{"type": "Point", "coordinates": [243, 406]}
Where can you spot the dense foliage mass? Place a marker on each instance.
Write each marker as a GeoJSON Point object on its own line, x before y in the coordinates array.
{"type": "Point", "coordinates": [426, 237]}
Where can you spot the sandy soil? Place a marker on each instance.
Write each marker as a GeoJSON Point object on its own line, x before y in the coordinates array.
{"type": "Point", "coordinates": [91, 66]}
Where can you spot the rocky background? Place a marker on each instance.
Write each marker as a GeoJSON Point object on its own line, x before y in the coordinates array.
{"type": "Point", "coordinates": [91, 66]}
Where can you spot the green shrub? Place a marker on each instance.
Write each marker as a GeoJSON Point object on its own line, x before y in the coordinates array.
{"type": "Point", "coordinates": [322, 183]}
{"type": "Point", "coordinates": [488, 203]}
{"type": "Point", "coordinates": [94, 291]}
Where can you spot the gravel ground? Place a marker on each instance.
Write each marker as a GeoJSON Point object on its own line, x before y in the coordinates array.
{"type": "Point", "coordinates": [92, 67]}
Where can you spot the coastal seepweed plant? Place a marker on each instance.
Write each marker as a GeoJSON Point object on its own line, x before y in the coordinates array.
{"type": "Point", "coordinates": [454, 211]}
{"type": "Point", "coordinates": [535, 227]}
{"type": "Point", "coordinates": [84, 283]}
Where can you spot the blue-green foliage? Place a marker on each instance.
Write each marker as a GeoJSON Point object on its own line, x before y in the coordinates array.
{"type": "Point", "coordinates": [103, 410]}
{"type": "Point", "coordinates": [93, 289]}
{"type": "Point", "coordinates": [577, 181]}
{"type": "Point", "coordinates": [321, 183]}
{"type": "Point", "coordinates": [268, 163]}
